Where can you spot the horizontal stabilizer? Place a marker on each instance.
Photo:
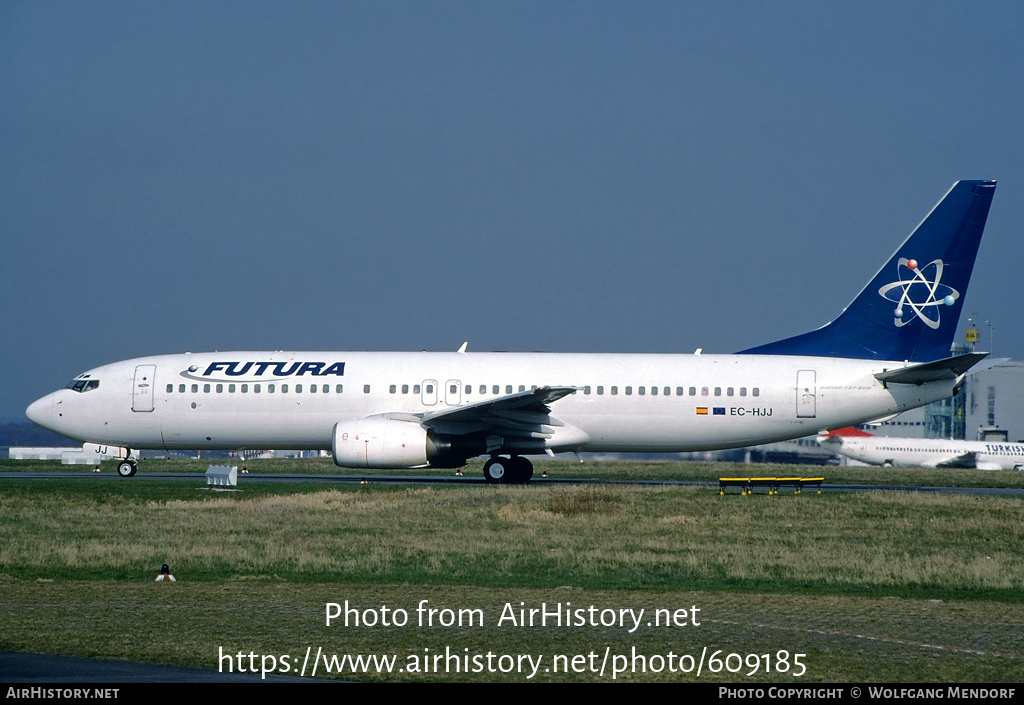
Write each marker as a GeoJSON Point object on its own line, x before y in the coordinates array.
{"type": "Point", "coordinates": [949, 368]}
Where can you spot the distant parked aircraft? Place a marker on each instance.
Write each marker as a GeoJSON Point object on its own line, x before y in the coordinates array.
{"type": "Point", "coordinates": [924, 452]}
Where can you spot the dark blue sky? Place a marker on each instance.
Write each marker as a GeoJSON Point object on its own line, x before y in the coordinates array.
{"type": "Point", "coordinates": [568, 176]}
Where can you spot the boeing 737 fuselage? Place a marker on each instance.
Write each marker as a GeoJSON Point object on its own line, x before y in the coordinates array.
{"type": "Point", "coordinates": [886, 353]}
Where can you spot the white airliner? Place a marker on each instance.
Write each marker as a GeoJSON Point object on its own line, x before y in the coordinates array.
{"type": "Point", "coordinates": [887, 352]}
{"type": "Point", "coordinates": [924, 452]}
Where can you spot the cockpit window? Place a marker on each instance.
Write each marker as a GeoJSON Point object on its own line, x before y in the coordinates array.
{"type": "Point", "coordinates": [83, 385]}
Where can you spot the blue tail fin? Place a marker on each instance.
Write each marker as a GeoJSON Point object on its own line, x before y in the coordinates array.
{"type": "Point", "coordinates": [911, 308]}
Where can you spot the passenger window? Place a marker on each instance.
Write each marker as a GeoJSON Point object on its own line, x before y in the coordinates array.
{"type": "Point", "coordinates": [743, 391]}
{"type": "Point", "coordinates": [729, 392]}
{"type": "Point", "coordinates": [366, 389]}
{"type": "Point", "coordinates": [508, 389]}
{"type": "Point", "coordinates": [615, 390]}
{"type": "Point", "coordinates": [195, 388]}
{"type": "Point", "coordinates": [298, 389]}
{"type": "Point", "coordinates": [245, 388]}
{"type": "Point", "coordinates": [181, 388]}
{"type": "Point", "coordinates": [338, 388]}
{"type": "Point", "coordinates": [271, 388]}
{"type": "Point", "coordinates": [393, 389]}
{"type": "Point", "coordinates": [629, 391]}
{"type": "Point", "coordinates": [206, 388]}
{"type": "Point", "coordinates": [220, 388]}
{"type": "Point", "coordinates": [284, 389]}
{"type": "Point", "coordinates": [600, 389]}
{"type": "Point", "coordinates": [496, 389]}
{"type": "Point", "coordinates": [170, 388]}
{"type": "Point", "coordinates": [405, 389]}
{"type": "Point", "coordinates": [756, 392]}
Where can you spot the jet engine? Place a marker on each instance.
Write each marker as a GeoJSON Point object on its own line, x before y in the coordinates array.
{"type": "Point", "coordinates": [386, 442]}
{"type": "Point", "coordinates": [379, 442]}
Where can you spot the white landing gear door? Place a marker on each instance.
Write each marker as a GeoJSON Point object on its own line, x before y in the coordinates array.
{"type": "Point", "coordinates": [142, 391]}
{"type": "Point", "coordinates": [805, 394]}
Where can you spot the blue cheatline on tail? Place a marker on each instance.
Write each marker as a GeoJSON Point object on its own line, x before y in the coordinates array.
{"type": "Point", "coordinates": [911, 308]}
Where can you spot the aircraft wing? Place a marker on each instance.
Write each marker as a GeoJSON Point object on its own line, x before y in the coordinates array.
{"type": "Point", "coordinates": [964, 460]}
{"type": "Point", "coordinates": [525, 415]}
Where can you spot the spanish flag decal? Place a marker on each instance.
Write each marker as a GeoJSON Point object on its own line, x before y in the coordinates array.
{"type": "Point", "coordinates": [702, 411]}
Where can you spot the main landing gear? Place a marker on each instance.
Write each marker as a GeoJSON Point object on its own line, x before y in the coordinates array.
{"type": "Point", "coordinates": [515, 470]}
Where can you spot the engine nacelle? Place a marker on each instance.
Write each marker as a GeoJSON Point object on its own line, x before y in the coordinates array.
{"type": "Point", "coordinates": [379, 442]}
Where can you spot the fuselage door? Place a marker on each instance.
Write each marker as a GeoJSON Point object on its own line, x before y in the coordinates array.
{"type": "Point", "coordinates": [429, 392]}
{"type": "Point", "coordinates": [452, 392]}
{"type": "Point", "coordinates": [805, 394]}
{"type": "Point", "coordinates": [142, 391]}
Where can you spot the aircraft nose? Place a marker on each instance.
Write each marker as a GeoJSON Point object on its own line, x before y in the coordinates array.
{"type": "Point", "coordinates": [41, 411]}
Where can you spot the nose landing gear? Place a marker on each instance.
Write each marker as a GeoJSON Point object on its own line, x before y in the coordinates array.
{"type": "Point", "coordinates": [127, 468]}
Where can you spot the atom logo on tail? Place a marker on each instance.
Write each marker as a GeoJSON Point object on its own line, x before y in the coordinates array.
{"type": "Point", "coordinates": [935, 293]}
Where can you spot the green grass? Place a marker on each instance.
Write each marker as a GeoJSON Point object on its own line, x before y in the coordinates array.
{"type": "Point", "coordinates": [814, 574]}
{"type": "Point", "coordinates": [668, 538]}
